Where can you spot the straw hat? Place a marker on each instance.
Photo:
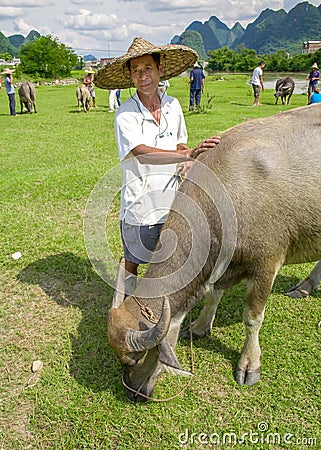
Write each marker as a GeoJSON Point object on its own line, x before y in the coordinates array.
{"type": "Point", "coordinates": [175, 58]}
{"type": "Point", "coordinates": [7, 71]}
{"type": "Point", "coordinates": [90, 70]}
{"type": "Point", "coordinates": [315, 66]}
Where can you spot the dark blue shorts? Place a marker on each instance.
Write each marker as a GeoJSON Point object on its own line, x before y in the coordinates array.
{"type": "Point", "coordinates": [139, 241]}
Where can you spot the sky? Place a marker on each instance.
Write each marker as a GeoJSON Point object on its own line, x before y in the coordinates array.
{"type": "Point", "coordinates": [106, 28]}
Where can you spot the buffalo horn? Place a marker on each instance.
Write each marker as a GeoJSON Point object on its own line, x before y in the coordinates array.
{"type": "Point", "coordinates": [119, 293]}
{"type": "Point", "coordinates": [145, 340]}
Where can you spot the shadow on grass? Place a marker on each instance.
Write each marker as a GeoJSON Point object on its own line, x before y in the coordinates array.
{"type": "Point", "coordinates": [72, 283]}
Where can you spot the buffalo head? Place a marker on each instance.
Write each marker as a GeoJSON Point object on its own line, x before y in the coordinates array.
{"type": "Point", "coordinates": [141, 347]}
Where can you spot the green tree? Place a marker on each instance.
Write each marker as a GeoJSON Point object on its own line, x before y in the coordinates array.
{"type": "Point", "coordinates": [47, 57]}
{"type": "Point", "coordinates": [223, 59]}
{"type": "Point", "coordinates": [6, 56]}
{"type": "Point", "coordinates": [245, 60]}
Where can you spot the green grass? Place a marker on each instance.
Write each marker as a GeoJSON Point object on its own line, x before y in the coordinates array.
{"type": "Point", "coordinates": [53, 305]}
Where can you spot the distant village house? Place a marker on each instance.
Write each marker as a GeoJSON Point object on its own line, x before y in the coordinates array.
{"type": "Point", "coordinates": [310, 46]}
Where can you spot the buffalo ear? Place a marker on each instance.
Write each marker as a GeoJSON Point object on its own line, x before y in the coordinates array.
{"type": "Point", "coordinates": [169, 359]}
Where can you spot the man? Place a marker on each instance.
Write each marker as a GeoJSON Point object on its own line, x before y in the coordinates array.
{"type": "Point", "coordinates": [89, 83]}
{"type": "Point", "coordinates": [152, 138]}
{"type": "Point", "coordinates": [196, 81]}
{"type": "Point", "coordinates": [313, 77]}
{"type": "Point", "coordinates": [113, 101]}
{"type": "Point", "coordinates": [257, 82]}
{"type": "Point", "coordinates": [10, 90]}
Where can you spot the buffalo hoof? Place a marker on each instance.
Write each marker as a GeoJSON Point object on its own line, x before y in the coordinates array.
{"type": "Point", "coordinates": [301, 290]}
{"type": "Point", "coordinates": [186, 334]}
{"type": "Point", "coordinates": [297, 293]}
{"type": "Point", "coordinates": [247, 378]}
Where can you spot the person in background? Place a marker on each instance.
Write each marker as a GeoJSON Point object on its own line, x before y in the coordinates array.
{"type": "Point", "coordinates": [313, 77]}
{"type": "Point", "coordinates": [257, 83]}
{"type": "Point", "coordinates": [118, 97]}
{"type": "Point", "coordinates": [163, 86]}
{"type": "Point", "coordinates": [113, 102]}
{"type": "Point", "coordinates": [152, 139]}
{"type": "Point", "coordinates": [196, 81]}
{"type": "Point", "coordinates": [89, 83]}
{"type": "Point", "coordinates": [315, 97]}
{"type": "Point", "coordinates": [10, 89]}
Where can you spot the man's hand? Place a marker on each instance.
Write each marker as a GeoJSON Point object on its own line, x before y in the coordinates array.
{"type": "Point", "coordinates": [205, 145]}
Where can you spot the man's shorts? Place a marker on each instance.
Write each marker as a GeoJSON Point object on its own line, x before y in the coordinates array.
{"type": "Point", "coordinates": [257, 90]}
{"type": "Point", "coordinates": [91, 90]}
{"type": "Point", "coordinates": [139, 242]}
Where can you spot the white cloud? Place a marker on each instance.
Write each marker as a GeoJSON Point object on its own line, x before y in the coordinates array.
{"type": "Point", "coordinates": [116, 34]}
{"type": "Point", "coordinates": [85, 2]}
{"type": "Point", "coordinates": [6, 13]}
{"type": "Point", "coordinates": [21, 27]}
{"type": "Point", "coordinates": [26, 3]}
{"type": "Point", "coordinates": [86, 20]}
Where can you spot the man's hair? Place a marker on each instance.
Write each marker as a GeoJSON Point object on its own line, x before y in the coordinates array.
{"type": "Point", "coordinates": [155, 56]}
{"type": "Point", "coordinates": [262, 62]}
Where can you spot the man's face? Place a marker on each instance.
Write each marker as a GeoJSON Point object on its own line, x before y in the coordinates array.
{"type": "Point", "coordinates": [145, 74]}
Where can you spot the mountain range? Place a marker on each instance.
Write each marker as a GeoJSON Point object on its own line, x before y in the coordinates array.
{"type": "Point", "coordinates": [12, 43]}
{"type": "Point", "coordinates": [270, 32]}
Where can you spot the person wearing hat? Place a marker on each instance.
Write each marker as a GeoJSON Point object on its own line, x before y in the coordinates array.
{"type": "Point", "coordinates": [313, 77]}
{"type": "Point", "coordinates": [88, 81]}
{"type": "Point", "coordinates": [152, 138]}
{"type": "Point", "coordinates": [10, 90]}
{"type": "Point", "coordinates": [196, 81]}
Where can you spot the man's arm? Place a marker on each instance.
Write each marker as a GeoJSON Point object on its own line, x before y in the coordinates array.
{"type": "Point", "coordinates": [261, 81]}
{"type": "Point", "coordinates": [152, 155]}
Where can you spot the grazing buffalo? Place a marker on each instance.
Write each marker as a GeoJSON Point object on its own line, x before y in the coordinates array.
{"type": "Point", "coordinates": [27, 95]}
{"type": "Point", "coordinates": [284, 88]}
{"type": "Point", "coordinates": [83, 98]}
{"type": "Point", "coordinates": [244, 209]}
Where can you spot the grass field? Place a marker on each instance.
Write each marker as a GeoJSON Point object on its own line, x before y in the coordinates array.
{"type": "Point", "coordinates": [53, 305]}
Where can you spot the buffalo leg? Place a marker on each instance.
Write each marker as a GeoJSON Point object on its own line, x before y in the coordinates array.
{"type": "Point", "coordinates": [310, 283]}
{"type": "Point", "coordinates": [203, 324]}
{"type": "Point", "coordinates": [248, 367]}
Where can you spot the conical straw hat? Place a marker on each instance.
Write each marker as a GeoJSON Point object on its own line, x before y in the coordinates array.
{"type": "Point", "coordinates": [175, 58]}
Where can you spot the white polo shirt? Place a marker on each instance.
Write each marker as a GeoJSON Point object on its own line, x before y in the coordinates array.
{"type": "Point", "coordinates": [148, 190]}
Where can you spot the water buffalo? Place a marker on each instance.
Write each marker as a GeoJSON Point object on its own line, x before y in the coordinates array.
{"type": "Point", "coordinates": [284, 88]}
{"type": "Point", "coordinates": [83, 98]}
{"type": "Point", "coordinates": [257, 200]}
{"type": "Point", "coordinates": [27, 95]}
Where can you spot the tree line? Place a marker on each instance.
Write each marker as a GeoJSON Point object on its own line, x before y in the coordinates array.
{"type": "Point", "coordinates": [47, 58]}
{"type": "Point", "coordinates": [225, 59]}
